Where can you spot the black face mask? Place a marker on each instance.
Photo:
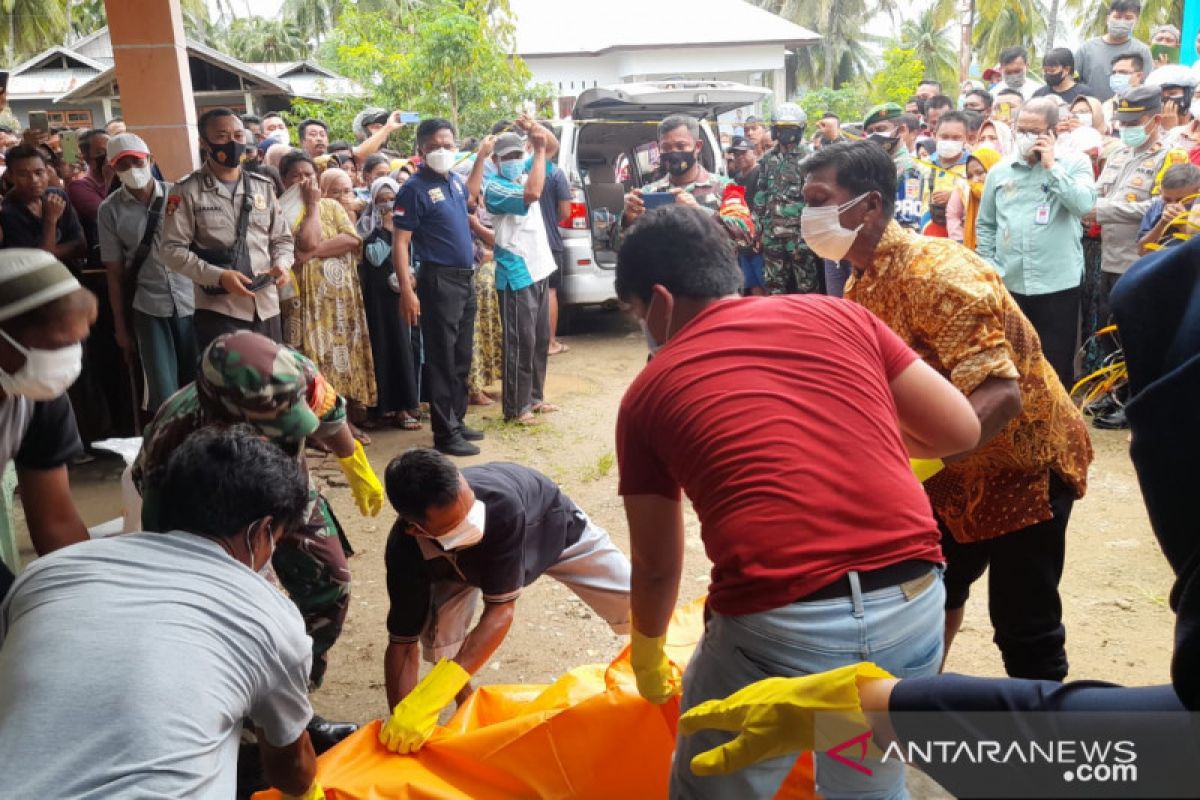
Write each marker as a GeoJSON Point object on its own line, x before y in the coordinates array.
{"type": "Point", "coordinates": [885, 140]}
{"type": "Point", "coordinates": [678, 163]}
{"type": "Point", "coordinates": [1055, 80]}
{"type": "Point", "coordinates": [787, 134]}
{"type": "Point", "coordinates": [228, 155]}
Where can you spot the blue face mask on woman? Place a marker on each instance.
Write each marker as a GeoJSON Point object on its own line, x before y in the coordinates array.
{"type": "Point", "coordinates": [378, 252]}
{"type": "Point", "coordinates": [512, 169]}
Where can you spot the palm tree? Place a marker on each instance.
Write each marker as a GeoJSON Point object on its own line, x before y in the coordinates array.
{"type": "Point", "coordinates": [262, 39]}
{"type": "Point", "coordinates": [29, 26]}
{"type": "Point", "coordinates": [1004, 23]}
{"type": "Point", "coordinates": [928, 35]}
{"type": "Point", "coordinates": [1092, 16]}
{"type": "Point", "coordinates": [841, 56]}
{"type": "Point", "coordinates": [314, 18]}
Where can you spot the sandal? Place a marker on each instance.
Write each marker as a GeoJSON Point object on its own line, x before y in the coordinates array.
{"type": "Point", "coordinates": [545, 408]}
{"type": "Point", "coordinates": [360, 435]}
{"type": "Point", "coordinates": [557, 347]}
{"type": "Point", "coordinates": [407, 423]}
{"type": "Point", "coordinates": [527, 420]}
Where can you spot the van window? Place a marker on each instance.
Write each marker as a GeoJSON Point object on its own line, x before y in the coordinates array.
{"type": "Point", "coordinates": [647, 158]}
{"type": "Point", "coordinates": [622, 172]}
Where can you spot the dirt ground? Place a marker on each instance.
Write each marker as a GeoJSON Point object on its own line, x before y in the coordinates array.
{"type": "Point", "coordinates": [1114, 588]}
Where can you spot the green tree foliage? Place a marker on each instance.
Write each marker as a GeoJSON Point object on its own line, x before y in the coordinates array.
{"type": "Point", "coordinates": [458, 67]}
{"type": "Point", "coordinates": [1004, 23]}
{"type": "Point", "coordinates": [262, 39]}
{"type": "Point", "coordinates": [847, 102]}
{"type": "Point", "coordinates": [932, 35]}
{"type": "Point", "coordinates": [841, 57]}
{"type": "Point", "coordinates": [1092, 16]}
{"type": "Point", "coordinates": [898, 77]}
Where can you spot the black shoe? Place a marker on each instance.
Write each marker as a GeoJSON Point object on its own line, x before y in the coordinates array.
{"type": "Point", "coordinates": [326, 734]}
{"type": "Point", "coordinates": [457, 446]}
{"type": "Point", "coordinates": [1101, 407]}
{"type": "Point", "coordinates": [1116, 421]}
{"type": "Point", "coordinates": [470, 434]}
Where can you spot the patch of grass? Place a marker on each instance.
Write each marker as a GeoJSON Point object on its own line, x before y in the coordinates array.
{"type": "Point", "coordinates": [601, 468]}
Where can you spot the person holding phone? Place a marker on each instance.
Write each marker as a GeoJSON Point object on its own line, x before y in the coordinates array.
{"type": "Point", "coordinates": [1028, 227]}
{"type": "Point", "coordinates": [36, 214]}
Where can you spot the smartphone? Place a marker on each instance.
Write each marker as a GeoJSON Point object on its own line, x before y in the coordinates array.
{"type": "Point", "coordinates": [410, 117]}
{"type": "Point", "coordinates": [1170, 51]}
{"type": "Point", "coordinates": [38, 121]}
{"type": "Point", "coordinates": [653, 200]}
{"type": "Point", "coordinates": [70, 146]}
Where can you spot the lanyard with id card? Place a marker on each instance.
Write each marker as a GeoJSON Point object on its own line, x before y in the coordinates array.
{"type": "Point", "coordinates": [1041, 215]}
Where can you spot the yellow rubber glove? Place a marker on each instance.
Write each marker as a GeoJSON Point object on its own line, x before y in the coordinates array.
{"type": "Point", "coordinates": [414, 718]}
{"type": "Point", "coordinates": [368, 492]}
{"type": "Point", "coordinates": [315, 792]}
{"type": "Point", "coordinates": [658, 679]}
{"type": "Point", "coordinates": [776, 716]}
{"type": "Point", "coordinates": [926, 468]}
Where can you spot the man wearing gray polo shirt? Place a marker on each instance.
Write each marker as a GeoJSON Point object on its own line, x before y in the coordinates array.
{"type": "Point", "coordinates": [162, 304]}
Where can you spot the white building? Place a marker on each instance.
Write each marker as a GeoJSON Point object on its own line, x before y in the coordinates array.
{"type": "Point", "coordinates": [574, 45]}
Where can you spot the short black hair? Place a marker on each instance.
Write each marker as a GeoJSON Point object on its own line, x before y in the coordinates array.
{"type": "Point", "coordinates": [270, 114]}
{"type": "Point", "coordinates": [1060, 57]}
{"type": "Point", "coordinates": [1015, 92]}
{"type": "Point", "coordinates": [984, 95]}
{"type": "Point", "coordinates": [337, 146]}
{"type": "Point", "coordinates": [420, 479]}
{"type": "Point", "coordinates": [920, 103]}
{"type": "Point", "coordinates": [832, 116]}
{"type": "Point", "coordinates": [859, 167]}
{"type": "Point", "coordinates": [503, 126]}
{"type": "Point", "coordinates": [684, 250]}
{"type": "Point", "coordinates": [430, 128]}
{"type": "Point", "coordinates": [24, 152]}
{"type": "Point", "coordinates": [85, 140]}
{"type": "Point", "coordinates": [373, 161]}
{"type": "Point", "coordinates": [909, 121]}
{"type": "Point", "coordinates": [291, 158]}
{"type": "Point", "coordinates": [931, 82]}
{"type": "Point", "coordinates": [954, 116]}
{"type": "Point", "coordinates": [251, 119]}
{"type": "Point", "coordinates": [209, 116]}
{"type": "Point", "coordinates": [308, 123]}
{"type": "Point", "coordinates": [938, 101]}
{"type": "Point", "coordinates": [1139, 63]}
{"type": "Point", "coordinates": [223, 479]}
{"type": "Point", "coordinates": [1125, 5]}
{"type": "Point", "coordinates": [1011, 54]}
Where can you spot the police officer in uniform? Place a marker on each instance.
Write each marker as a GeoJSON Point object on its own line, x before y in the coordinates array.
{"type": "Point", "coordinates": [236, 287]}
{"type": "Point", "coordinates": [1126, 188]}
{"type": "Point", "coordinates": [789, 267]}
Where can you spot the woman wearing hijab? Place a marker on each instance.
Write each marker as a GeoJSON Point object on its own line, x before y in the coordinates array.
{"type": "Point", "coordinates": [996, 135]}
{"type": "Point", "coordinates": [325, 319]}
{"type": "Point", "coordinates": [336, 184]}
{"type": "Point", "coordinates": [398, 402]}
{"type": "Point", "coordinates": [963, 207]}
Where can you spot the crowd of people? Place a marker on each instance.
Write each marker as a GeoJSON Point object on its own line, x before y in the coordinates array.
{"type": "Point", "coordinates": [862, 344]}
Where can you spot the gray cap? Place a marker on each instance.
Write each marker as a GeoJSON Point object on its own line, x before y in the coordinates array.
{"type": "Point", "coordinates": [507, 143]}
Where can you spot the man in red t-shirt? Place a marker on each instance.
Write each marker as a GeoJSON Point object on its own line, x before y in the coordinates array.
{"type": "Point", "coordinates": [788, 422]}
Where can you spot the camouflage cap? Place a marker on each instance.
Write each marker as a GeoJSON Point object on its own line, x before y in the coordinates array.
{"type": "Point", "coordinates": [245, 377]}
{"type": "Point", "coordinates": [882, 113]}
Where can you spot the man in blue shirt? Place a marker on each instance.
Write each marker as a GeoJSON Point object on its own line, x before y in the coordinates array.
{"type": "Point", "coordinates": [524, 262]}
{"type": "Point", "coordinates": [430, 214]}
{"type": "Point", "coordinates": [1028, 228]}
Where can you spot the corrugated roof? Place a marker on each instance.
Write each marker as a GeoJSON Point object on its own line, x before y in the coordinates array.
{"type": "Point", "coordinates": [48, 83]}
{"type": "Point", "coordinates": [622, 24]}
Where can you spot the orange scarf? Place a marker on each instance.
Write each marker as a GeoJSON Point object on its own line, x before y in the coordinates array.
{"type": "Point", "coordinates": [988, 158]}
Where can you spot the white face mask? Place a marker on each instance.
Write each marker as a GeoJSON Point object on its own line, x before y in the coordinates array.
{"type": "Point", "coordinates": [280, 135]}
{"type": "Point", "coordinates": [1194, 108]}
{"type": "Point", "coordinates": [265, 569]}
{"type": "Point", "coordinates": [469, 531]}
{"type": "Point", "coordinates": [948, 149]}
{"type": "Point", "coordinates": [1025, 143]}
{"type": "Point", "coordinates": [47, 374]}
{"type": "Point", "coordinates": [135, 177]}
{"type": "Point", "coordinates": [440, 161]}
{"type": "Point", "coordinates": [1085, 118]}
{"type": "Point", "coordinates": [821, 228]}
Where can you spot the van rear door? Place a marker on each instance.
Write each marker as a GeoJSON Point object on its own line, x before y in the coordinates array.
{"type": "Point", "coordinates": [652, 101]}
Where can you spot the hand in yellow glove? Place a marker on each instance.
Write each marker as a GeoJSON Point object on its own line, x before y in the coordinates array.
{"type": "Point", "coordinates": [368, 492]}
{"type": "Point", "coordinates": [315, 792]}
{"type": "Point", "coordinates": [926, 468]}
{"type": "Point", "coordinates": [776, 716]}
{"type": "Point", "coordinates": [414, 718]}
{"type": "Point", "coordinates": [658, 679]}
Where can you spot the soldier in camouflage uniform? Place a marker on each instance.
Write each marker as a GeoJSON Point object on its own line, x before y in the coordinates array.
{"type": "Point", "coordinates": [883, 125]}
{"type": "Point", "coordinates": [247, 378]}
{"type": "Point", "coordinates": [789, 267]}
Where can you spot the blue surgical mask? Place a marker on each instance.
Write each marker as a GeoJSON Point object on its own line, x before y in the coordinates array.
{"type": "Point", "coordinates": [1118, 82]}
{"type": "Point", "coordinates": [378, 252]}
{"type": "Point", "coordinates": [1134, 135]}
{"type": "Point", "coordinates": [512, 170]}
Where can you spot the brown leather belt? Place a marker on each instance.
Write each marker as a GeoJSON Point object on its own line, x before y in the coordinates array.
{"type": "Point", "coordinates": [913, 576]}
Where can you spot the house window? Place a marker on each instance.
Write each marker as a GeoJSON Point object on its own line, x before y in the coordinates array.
{"type": "Point", "coordinates": [81, 118]}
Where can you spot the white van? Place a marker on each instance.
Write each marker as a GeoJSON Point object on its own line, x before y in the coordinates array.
{"type": "Point", "coordinates": [609, 147]}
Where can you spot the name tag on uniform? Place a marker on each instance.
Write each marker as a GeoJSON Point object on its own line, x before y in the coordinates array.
{"type": "Point", "coordinates": [435, 194]}
{"type": "Point", "coordinates": [1042, 215]}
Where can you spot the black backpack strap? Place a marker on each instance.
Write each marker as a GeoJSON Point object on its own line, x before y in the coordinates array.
{"type": "Point", "coordinates": [143, 248]}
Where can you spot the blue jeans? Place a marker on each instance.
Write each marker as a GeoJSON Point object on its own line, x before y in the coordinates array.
{"type": "Point", "coordinates": [752, 270]}
{"type": "Point", "coordinates": [894, 628]}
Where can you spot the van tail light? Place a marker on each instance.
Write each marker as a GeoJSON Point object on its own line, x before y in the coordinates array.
{"type": "Point", "coordinates": [578, 220]}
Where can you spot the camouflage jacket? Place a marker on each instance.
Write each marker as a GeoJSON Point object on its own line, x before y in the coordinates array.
{"type": "Point", "coordinates": [709, 192]}
{"type": "Point", "coordinates": [776, 201]}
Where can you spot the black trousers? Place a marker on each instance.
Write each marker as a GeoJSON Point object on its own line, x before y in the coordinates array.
{"type": "Point", "coordinates": [1023, 600]}
{"type": "Point", "coordinates": [1055, 317]}
{"type": "Point", "coordinates": [447, 296]}
{"type": "Point", "coordinates": [211, 324]}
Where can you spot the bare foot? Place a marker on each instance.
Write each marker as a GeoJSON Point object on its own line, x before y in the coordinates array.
{"type": "Point", "coordinates": [545, 408]}
{"type": "Point", "coordinates": [481, 399]}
